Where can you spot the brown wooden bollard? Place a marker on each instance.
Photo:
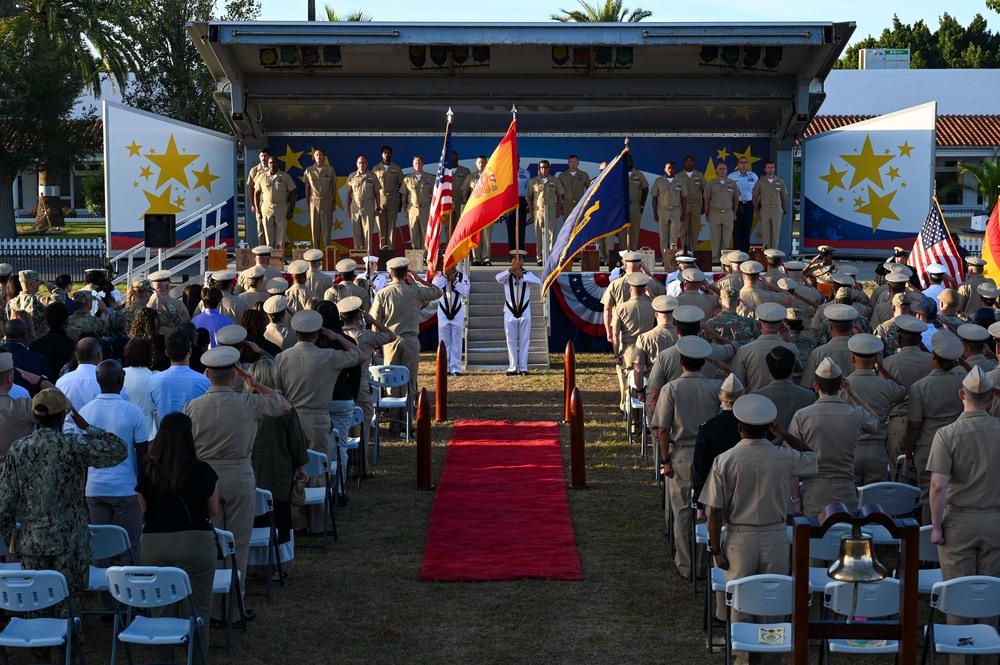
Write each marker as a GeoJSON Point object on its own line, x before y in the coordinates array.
{"type": "Point", "coordinates": [577, 452]}
{"type": "Point", "coordinates": [423, 441]}
{"type": "Point", "coordinates": [441, 384]}
{"type": "Point", "coordinates": [569, 377]}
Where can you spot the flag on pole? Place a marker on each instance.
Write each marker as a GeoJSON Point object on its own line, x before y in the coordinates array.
{"type": "Point", "coordinates": [934, 245]}
{"type": "Point", "coordinates": [494, 196]}
{"type": "Point", "coordinates": [991, 246]}
{"type": "Point", "coordinates": [601, 212]}
{"type": "Point", "coordinates": [440, 203]}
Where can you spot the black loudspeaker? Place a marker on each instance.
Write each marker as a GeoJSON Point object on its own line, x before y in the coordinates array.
{"type": "Point", "coordinates": [160, 231]}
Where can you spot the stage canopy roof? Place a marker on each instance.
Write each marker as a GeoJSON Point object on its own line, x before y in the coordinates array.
{"type": "Point", "coordinates": [564, 78]}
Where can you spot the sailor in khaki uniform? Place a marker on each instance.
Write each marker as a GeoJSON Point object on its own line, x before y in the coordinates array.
{"type": "Point", "coordinates": [262, 258]}
{"type": "Point", "coordinates": [459, 174]}
{"type": "Point", "coordinates": [454, 287]}
{"type": "Point", "coordinates": [691, 220]}
{"type": "Point", "coordinates": [670, 200]}
{"type": "Point", "coordinates": [842, 319]}
{"type": "Point", "coordinates": [722, 196]}
{"type": "Point", "coordinates": [775, 265]}
{"type": "Point", "coordinates": [390, 179]}
{"type": "Point", "coordinates": [256, 293]}
{"type": "Point", "coordinates": [545, 194]}
{"type": "Point", "coordinates": [770, 198]}
{"type": "Point", "coordinates": [974, 338]}
{"type": "Point", "coordinates": [575, 182]}
{"type": "Point", "coordinates": [277, 286]}
{"type": "Point", "coordinates": [347, 287]}
{"type": "Point", "coordinates": [317, 281]}
{"type": "Point", "coordinates": [697, 292]}
{"type": "Point", "coordinates": [638, 190]}
{"type": "Point", "coordinates": [832, 427]}
{"type": "Point", "coordinates": [363, 196]}
{"type": "Point", "coordinates": [756, 291]}
{"type": "Point", "coordinates": [629, 320]}
{"type": "Point", "coordinates": [934, 403]}
{"type": "Point", "coordinates": [618, 292]}
{"type": "Point", "coordinates": [517, 282]}
{"type": "Point", "coordinates": [732, 261]}
{"type": "Point", "coordinates": [251, 193]}
{"type": "Point", "coordinates": [967, 289]}
{"type": "Point", "coordinates": [418, 189]}
{"type": "Point", "coordinates": [910, 364]}
{"type": "Point", "coordinates": [750, 362]}
{"type": "Point", "coordinates": [649, 344]}
{"type": "Point", "coordinates": [231, 305]}
{"type": "Point", "coordinates": [225, 426]}
{"type": "Point", "coordinates": [277, 331]}
{"type": "Point", "coordinates": [306, 376]}
{"type": "Point", "coordinates": [171, 310]}
{"type": "Point", "coordinates": [298, 294]}
{"type": "Point", "coordinates": [16, 416]}
{"type": "Point", "coordinates": [683, 405]}
{"type": "Point", "coordinates": [275, 192]}
{"type": "Point", "coordinates": [321, 192]}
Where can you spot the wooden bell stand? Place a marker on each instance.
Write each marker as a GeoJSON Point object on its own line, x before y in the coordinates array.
{"type": "Point", "coordinates": [904, 630]}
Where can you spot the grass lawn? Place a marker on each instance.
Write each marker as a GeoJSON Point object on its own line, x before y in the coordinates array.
{"type": "Point", "coordinates": [76, 230]}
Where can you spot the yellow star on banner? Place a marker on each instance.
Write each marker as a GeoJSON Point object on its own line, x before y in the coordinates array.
{"type": "Point", "coordinates": [179, 202]}
{"type": "Point", "coordinates": [867, 164]}
{"type": "Point", "coordinates": [721, 116]}
{"type": "Point", "coordinates": [750, 158]}
{"type": "Point", "coordinates": [291, 158]}
{"type": "Point", "coordinates": [722, 154]}
{"type": "Point", "coordinates": [710, 171]}
{"type": "Point", "coordinates": [146, 172]}
{"type": "Point", "coordinates": [197, 199]}
{"type": "Point", "coordinates": [159, 205]}
{"type": "Point", "coordinates": [709, 109]}
{"type": "Point", "coordinates": [833, 179]}
{"type": "Point", "coordinates": [888, 152]}
{"type": "Point", "coordinates": [135, 184]}
{"type": "Point", "coordinates": [133, 150]}
{"type": "Point", "coordinates": [903, 185]}
{"type": "Point", "coordinates": [905, 149]}
{"type": "Point", "coordinates": [337, 224]}
{"type": "Point", "coordinates": [840, 199]}
{"type": "Point", "coordinates": [172, 164]}
{"type": "Point", "coordinates": [204, 179]}
{"type": "Point", "coordinates": [878, 207]}
{"type": "Point", "coordinates": [858, 202]}
{"type": "Point", "coordinates": [893, 172]}
{"type": "Point", "coordinates": [742, 112]}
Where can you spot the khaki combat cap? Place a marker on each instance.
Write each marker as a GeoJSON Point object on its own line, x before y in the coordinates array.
{"type": "Point", "coordinates": [49, 402]}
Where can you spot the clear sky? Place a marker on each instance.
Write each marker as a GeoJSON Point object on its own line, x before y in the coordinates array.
{"type": "Point", "coordinates": [870, 15]}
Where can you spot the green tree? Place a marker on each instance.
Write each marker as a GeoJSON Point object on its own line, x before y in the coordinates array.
{"type": "Point", "coordinates": [174, 81]}
{"type": "Point", "coordinates": [612, 11]}
{"type": "Point", "coordinates": [952, 45]}
{"type": "Point", "coordinates": [985, 182]}
{"type": "Point", "coordinates": [356, 16]}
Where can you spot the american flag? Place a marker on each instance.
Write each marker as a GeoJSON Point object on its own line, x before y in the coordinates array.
{"type": "Point", "coordinates": [934, 245]}
{"type": "Point", "coordinates": [440, 203]}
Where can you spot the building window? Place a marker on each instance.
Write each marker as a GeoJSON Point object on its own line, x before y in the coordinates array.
{"type": "Point", "coordinates": [945, 180]}
{"type": "Point", "coordinates": [18, 193]}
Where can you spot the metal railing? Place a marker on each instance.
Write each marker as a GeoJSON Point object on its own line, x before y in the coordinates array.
{"type": "Point", "coordinates": [52, 257]}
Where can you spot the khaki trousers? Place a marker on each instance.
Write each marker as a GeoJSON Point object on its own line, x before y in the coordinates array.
{"type": "Point", "coordinates": [920, 457]}
{"type": "Point", "coordinates": [691, 226]}
{"type": "Point", "coordinates": [272, 219]}
{"type": "Point", "coordinates": [769, 224]}
{"type": "Point", "coordinates": [405, 351]}
{"type": "Point", "coordinates": [363, 223]}
{"type": "Point", "coordinates": [545, 230]}
{"type": "Point", "coordinates": [818, 492]}
{"type": "Point", "coordinates": [720, 226]}
{"type": "Point", "coordinates": [418, 226]}
{"type": "Point", "coordinates": [485, 249]}
{"type": "Point", "coordinates": [318, 430]}
{"type": "Point", "coordinates": [870, 462]}
{"type": "Point", "coordinates": [670, 224]}
{"type": "Point", "coordinates": [634, 226]}
{"type": "Point", "coordinates": [237, 489]}
{"type": "Point", "coordinates": [320, 222]}
{"type": "Point", "coordinates": [387, 221]}
{"type": "Point", "coordinates": [681, 460]}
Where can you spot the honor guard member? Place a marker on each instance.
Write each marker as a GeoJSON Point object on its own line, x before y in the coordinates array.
{"type": "Point", "coordinates": [731, 325]}
{"type": "Point", "coordinates": [774, 270]}
{"type": "Point", "coordinates": [575, 182]}
{"type": "Point", "coordinates": [746, 181]}
{"type": "Point", "coordinates": [934, 403]}
{"type": "Point", "coordinates": [298, 294]}
{"type": "Point", "coordinates": [16, 417]}
{"type": "Point", "coordinates": [695, 182]}
{"type": "Point", "coordinates": [172, 311]}
{"type": "Point", "coordinates": [885, 310]}
{"type": "Point", "coordinates": [683, 405]}
{"type": "Point", "coordinates": [347, 286]}
{"type": "Point", "coordinates": [224, 424]}
{"type": "Point", "coordinates": [670, 200]}
{"type": "Point", "coordinates": [390, 179]}
{"type": "Point", "coordinates": [375, 280]}
{"type": "Point", "coordinates": [629, 320]}
{"type": "Point", "coordinates": [715, 436]}
{"type": "Point", "coordinates": [617, 291]}
{"type": "Point", "coordinates": [755, 291]}
{"type": "Point", "coordinates": [545, 194]}
{"type": "Point", "coordinates": [317, 281]}
{"type": "Point", "coordinates": [306, 377]}
{"type": "Point", "coordinates": [82, 321]}
{"type": "Point", "coordinates": [974, 339]}
{"type": "Point", "coordinates": [277, 286]}
{"type": "Point", "coordinates": [803, 342]}
{"type": "Point", "coordinates": [321, 192]}
{"type": "Point", "coordinates": [722, 196]}
{"type": "Point", "coordinates": [676, 287]}
{"type": "Point", "coordinates": [256, 293]}
{"type": "Point", "coordinates": [29, 301]}
{"type": "Point", "coordinates": [418, 189]}
{"type": "Point", "coordinates": [638, 190]}
{"type": "Point", "coordinates": [481, 254]}
{"type": "Point", "coordinates": [735, 277]}
{"type": "Point", "coordinates": [516, 283]}
{"type": "Point", "coordinates": [454, 287]}
{"type": "Point", "coordinates": [695, 291]}
{"type": "Point", "coordinates": [910, 364]}
{"type": "Point", "coordinates": [770, 200]}
{"type": "Point", "coordinates": [935, 274]}
{"type": "Point", "coordinates": [251, 185]}
{"type": "Point", "coordinates": [967, 289]}
{"type": "Point", "coordinates": [842, 321]}
{"type": "Point", "coordinates": [649, 344]}
{"type": "Point", "coordinates": [231, 305]}
{"type": "Point", "coordinates": [397, 307]}
{"type": "Point", "coordinates": [459, 174]}
{"type": "Point", "coordinates": [369, 335]}
{"type": "Point", "coordinates": [881, 391]}
{"type": "Point", "coordinates": [832, 427]}
{"type": "Point", "coordinates": [262, 257]}
{"type": "Point", "coordinates": [787, 395]}
{"type": "Point", "coordinates": [141, 291]}
{"type": "Point", "coordinates": [964, 463]}
{"type": "Point", "coordinates": [949, 312]}
{"type": "Point", "coordinates": [277, 331]}
{"type": "Point", "coordinates": [750, 362]}
{"type": "Point", "coordinates": [364, 197]}
{"type": "Point", "coordinates": [275, 192]}
{"type": "Point", "coordinates": [747, 491]}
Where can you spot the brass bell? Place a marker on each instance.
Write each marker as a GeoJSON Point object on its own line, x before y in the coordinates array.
{"type": "Point", "coordinates": [857, 563]}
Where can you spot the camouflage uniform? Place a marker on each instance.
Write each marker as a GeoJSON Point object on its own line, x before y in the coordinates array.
{"type": "Point", "coordinates": [82, 321]}
{"type": "Point", "coordinates": [129, 314]}
{"type": "Point", "coordinates": [955, 320]}
{"type": "Point", "coordinates": [44, 475]}
{"type": "Point", "coordinates": [172, 312]}
{"type": "Point", "coordinates": [889, 334]}
{"type": "Point", "coordinates": [735, 328]}
{"type": "Point", "coordinates": [824, 329]}
{"type": "Point", "coordinates": [804, 344]}
{"type": "Point", "coordinates": [35, 306]}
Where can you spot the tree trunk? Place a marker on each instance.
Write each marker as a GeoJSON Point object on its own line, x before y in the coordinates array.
{"type": "Point", "coordinates": [8, 229]}
{"type": "Point", "coordinates": [49, 202]}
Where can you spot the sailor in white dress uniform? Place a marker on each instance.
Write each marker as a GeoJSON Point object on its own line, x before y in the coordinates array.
{"type": "Point", "coordinates": [517, 311]}
{"type": "Point", "coordinates": [454, 287]}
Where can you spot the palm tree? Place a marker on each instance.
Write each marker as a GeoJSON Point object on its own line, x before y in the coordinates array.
{"type": "Point", "coordinates": [987, 181]}
{"type": "Point", "coordinates": [355, 16]}
{"type": "Point", "coordinates": [611, 11]}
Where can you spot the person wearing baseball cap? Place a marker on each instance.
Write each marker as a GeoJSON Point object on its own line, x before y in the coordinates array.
{"type": "Point", "coordinates": [317, 281]}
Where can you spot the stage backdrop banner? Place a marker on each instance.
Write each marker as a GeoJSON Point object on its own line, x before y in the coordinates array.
{"type": "Point", "coordinates": [156, 165]}
{"type": "Point", "coordinates": [868, 186]}
{"type": "Point", "coordinates": [649, 152]}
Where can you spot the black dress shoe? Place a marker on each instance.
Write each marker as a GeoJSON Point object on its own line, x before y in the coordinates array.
{"type": "Point", "coordinates": [540, 262]}
{"type": "Point", "coordinates": [458, 374]}
{"type": "Point", "coordinates": [512, 372]}
{"type": "Point", "coordinates": [487, 262]}
{"type": "Point", "coordinates": [477, 263]}
{"type": "Point", "coordinates": [524, 373]}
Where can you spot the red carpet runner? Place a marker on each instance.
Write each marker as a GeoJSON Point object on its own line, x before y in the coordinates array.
{"type": "Point", "coordinates": [500, 510]}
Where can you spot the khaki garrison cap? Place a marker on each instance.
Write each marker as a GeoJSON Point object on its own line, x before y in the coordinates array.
{"type": "Point", "coordinates": [160, 276]}
{"type": "Point", "coordinates": [736, 256]}
{"type": "Point", "coordinates": [770, 312]}
{"type": "Point", "coordinates": [755, 410]}
{"type": "Point", "coordinates": [946, 344]}
{"type": "Point", "coordinates": [346, 265]}
{"type": "Point", "coordinates": [828, 369]}
{"type": "Point", "coordinates": [275, 304]}
{"type": "Point", "coordinates": [732, 385]}
{"type": "Point", "coordinates": [910, 324]}
{"type": "Point", "coordinates": [976, 381]}
{"type": "Point", "coordinates": [277, 285]}
{"type": "Point", "coordinates": [837, 312]}
{"type": "Point", "coordinates": [774, 253]}
{"type": "Point", "coordinates": [223, 276]}
{"type": "Point", "coordinates": [349, 304]}
{"type": "Point", "coordinates": [972, 332]}
{"type": "Point", "coordinates": [693, 275]}
{"type": "Point", "coordinates": [312, 255]}
{"type": "Point", "coordinates": [902, 299]}
{"type": "Point", "coordinates": [28, 276]}
{"type": "Point", "coordinates": [688, 314]}
{"type": "Point", "coordinates": [49, 402]}
{"type": "Point", "coordinates": [728, 293]}
{"type": "Point", "coordinates": [307, 321]}
{"type": "Point", "coordinates": [221, 357]}
{"type": "Point", "coordinates": [402, 262]}
{"type": "Point", "coordinates": [231, 335]}
{"type": "Point", "coordinates": [794, 265]}
{"type": "Point", "coordinates": [864, 344]}
{"type": "Point", "coordinates": [694, 347]}
{"type": "Point", "coordinates": [897, 278]}
{"type": "Point", "coordinates": [262, 249]}
{"type": "Point", "coordinates": [299, 267]}
{"type": "Point", "coordinates": [751, 268]}
{"type": "Point", "coordinates": [6, 270]}
{"type": "Point", "coordinates": [6, 362]}
{"type": "Point", "coordinates": [975, 261]}
{"type": "Point", "coordinates": [663, 304]}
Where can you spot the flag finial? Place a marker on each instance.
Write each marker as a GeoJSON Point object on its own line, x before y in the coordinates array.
{"type": "Point", "coordinates": [513, 111]}
{"type": "Point", "coordinates": [626, 142]}
{"type": "Point", "coordinates": [449, 114]}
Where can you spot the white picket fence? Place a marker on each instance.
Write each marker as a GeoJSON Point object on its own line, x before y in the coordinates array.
{"type": "Point", "coordinates": [55, 256]}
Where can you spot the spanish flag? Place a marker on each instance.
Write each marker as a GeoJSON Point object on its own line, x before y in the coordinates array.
{"type": "Point", "coordinates": [991, 246]}
{"type": "Point", "coordinates": [495, 195]}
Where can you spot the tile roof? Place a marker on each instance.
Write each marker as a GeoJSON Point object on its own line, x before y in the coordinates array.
{"type": "Point", "coordinates": [953, 131]}
{"type": "Point", "coordinates": [13, 136]}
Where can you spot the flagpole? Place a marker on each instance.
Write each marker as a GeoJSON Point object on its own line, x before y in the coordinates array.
{"type": "Point", "coordinates": [517, 209]}
{"type": "Point", "coordinates": [451, 213]}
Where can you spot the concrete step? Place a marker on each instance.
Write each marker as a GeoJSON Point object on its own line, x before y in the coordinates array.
{"type": "Point", "coordinates": [491, 334]}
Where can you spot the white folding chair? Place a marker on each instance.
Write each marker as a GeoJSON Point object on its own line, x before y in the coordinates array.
{"type": "Point", "coordinates": [28, 591]}
{"type": "Point", "coordinates": [716, 583]}
{"type": "Point", "coordinates": [267, 537]}
{"type": "Point", "coordinates": [354, 443]}
{"type": "Point", "coordinates": [319, 466]}
{"type": "Point", "coordinates": [896, 500]}
{"type": "Point", "coordinates": [147, 587]}
{"type": "Point", "coordinates": [874, 601]}
{"type": "Point", "coordinates": [927, 577]}
{"type": "Point", "coordinates": [762, 596]}
{"type": "Point", "coordinates": [227, 583]}
{"type": "Point", "coordinates": [106, 541]}
{"type": "Point", "coordinates": [637, 405]}
{"type": "Point", "coordinates": [384, 377]}
{"type": "Point", "coordinates": [971, 597]}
